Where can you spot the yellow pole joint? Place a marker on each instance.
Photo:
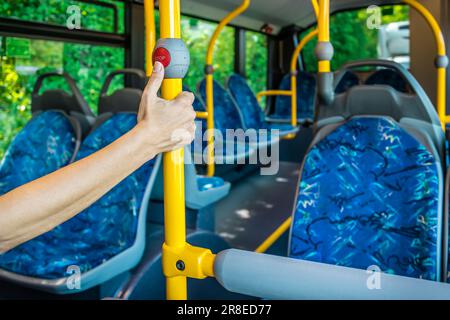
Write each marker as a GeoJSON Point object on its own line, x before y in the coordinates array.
{"type": "Point", "coordinates": [315, 5]}
{"type": "Point", "coordinates": [442, 54]}
{"type": "Point", "coordinates": [209, 83]}
{"type": "Point", "coordinates": [187, 261]}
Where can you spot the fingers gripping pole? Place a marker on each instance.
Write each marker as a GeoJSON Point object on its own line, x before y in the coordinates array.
{"type": "Point", "coordinates": [209, 82]}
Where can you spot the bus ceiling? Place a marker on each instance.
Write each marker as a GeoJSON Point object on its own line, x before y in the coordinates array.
{"type": "Point", "coordinates": [261, 12]}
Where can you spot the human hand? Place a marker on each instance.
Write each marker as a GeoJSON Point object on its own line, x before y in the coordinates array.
{"type": "Point", "coordinates": [166, 125]}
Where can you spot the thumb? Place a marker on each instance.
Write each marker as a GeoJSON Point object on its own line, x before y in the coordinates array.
{"type": "Point", "coordinates": [156, 79]}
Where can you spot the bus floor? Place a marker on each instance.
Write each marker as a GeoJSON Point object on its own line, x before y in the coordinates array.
{"type": "Point", "coordinates": [258, 204]}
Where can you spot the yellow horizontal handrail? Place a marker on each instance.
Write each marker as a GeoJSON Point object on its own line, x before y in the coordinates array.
{"type": "Point", "coordinates": [202, 114]}
{"type": "Point", "coordinates": [209, 83]}
{"type": "Point", "coordinates": [262, 94]}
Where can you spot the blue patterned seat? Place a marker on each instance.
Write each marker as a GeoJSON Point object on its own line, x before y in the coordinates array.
{"type": "Point", "coordinates": [46, 143]}
{"type": "Point", "coordinates": [102, 231]}
{"type": "Point", "coordinates": [370, 194]}
{"type": "Point", "coordinates": [227, 116]}
{"type": "Point", "coordinates": [388, 77]}
{"type": "Point", "coordinates": [306, 94]}
{"type": "Point", "coordinates": [250, 111]}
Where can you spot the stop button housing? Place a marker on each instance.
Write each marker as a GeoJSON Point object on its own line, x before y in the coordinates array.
{"type": "Point", "coordinates": [174, 56]}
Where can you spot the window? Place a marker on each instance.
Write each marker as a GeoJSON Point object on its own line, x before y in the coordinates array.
{"type": "Point", "coordinates": [22, 60]}
{"type": "Point", "coordinates": [354, 40]}
{"type": "Point", "coordinates": [197, 33]}
{"type": "Point", "coordinates": [256, 60]}
{"type": "Point", "coordinates": [94, 16]}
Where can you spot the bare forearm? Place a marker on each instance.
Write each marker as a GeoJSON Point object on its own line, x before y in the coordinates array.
{"type": "Point", "coordinates": [70, 189]}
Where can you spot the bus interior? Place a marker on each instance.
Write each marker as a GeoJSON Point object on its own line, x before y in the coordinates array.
{"type": "Point", "coordinates": [320, 154]}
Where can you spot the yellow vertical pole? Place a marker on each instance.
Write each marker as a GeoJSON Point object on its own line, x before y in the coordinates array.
{"type": "Point", "coordinates": [441, 51]}
{"type": "Point", "coordinates": [174, 201]}
{"type": "Point", "coordinates": [150, 34]}
{"type": "Point", "coordinates": [210, 80]}
{"type": "Point", "coordinates": [324, 30]}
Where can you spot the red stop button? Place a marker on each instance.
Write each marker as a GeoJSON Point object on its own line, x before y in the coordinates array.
{"type": "Point", "coordinates": [162, 55]}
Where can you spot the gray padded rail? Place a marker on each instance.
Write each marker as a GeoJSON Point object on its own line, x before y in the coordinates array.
{"type": "Point", "coordinates": [274, 277]}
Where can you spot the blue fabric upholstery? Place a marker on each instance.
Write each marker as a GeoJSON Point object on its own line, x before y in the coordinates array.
{"type": "Point", "coordinates": [388, 77]}
{"type": "Point", "coordinates": [306, 92]}
{"type": "Point", "coordinates": [369, 195]}
{"type": "Point", "coordinates": [105, 229]}
{"type": "Point", "coordinates": [45, 144]}
{"type": "Point", "coordinates": [349, 80]}
{"type": "Point", "coordinates": [226, 116]}
{"type": "Point", "coordinates": [207, 183]}
{"type": "Point", "coordinates": [252, 114]}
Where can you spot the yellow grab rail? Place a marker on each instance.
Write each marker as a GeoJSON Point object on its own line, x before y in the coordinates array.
{"type": "Point", "coordinates": [150, 34]}
{"type": "Point", "coordinates": [315, 5]}
{"type": "Point", "coordinates": [441, 51]}
{"type": "Point", "coordinates": [174, 209]}
{"type": "Point", "coordinates": [274, 236]}
{"type": "Point", "coordinates": [323, 20]}
{"type": "Point", "coordinates": [294, 59]}
{"type": "Point", "coordinates": [209, 83]}
{"type": "Point", "coordinates": [293, 70]}
{"type": "Point", "coordinates": [266, 93]}
{"type": "Point", "coordinates": [179, 259]}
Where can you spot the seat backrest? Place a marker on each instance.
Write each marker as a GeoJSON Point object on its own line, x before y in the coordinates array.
{"type": "Point", "coordinates": [251, 113]}
{"type": "Point", "coordinates": [72, 104]}
{"type": "Point", "coordinates": [50, 139]}
{"type": "Point", "coordinates": [388, 77]}
{"type": "Point", "coordinates": [226, 115]}
{"type": "Point", "coordinates": [346, 81]}
{"type": "Point", "coordinates": [370, 194]}
{"type": "Point", "coordinates": [413, 108]}
{"type": "Point", "coordinates": [306, 96]}
{"type": "Point", "coordinates": [48, 142]}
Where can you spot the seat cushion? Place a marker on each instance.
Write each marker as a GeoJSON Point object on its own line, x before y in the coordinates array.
{"type": "Point", "coordinates": [226, 116]}
{"type": "Point", "coordinates": [306, 92]}
{"type": "Point", "coordinates": [45, 144]}
{"type": "Point", "coordinates": [369, 194]}
{"type": "Point", "coordinates": [103, 230]}
{"type": "Point", "coordinates": [208, 183]}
